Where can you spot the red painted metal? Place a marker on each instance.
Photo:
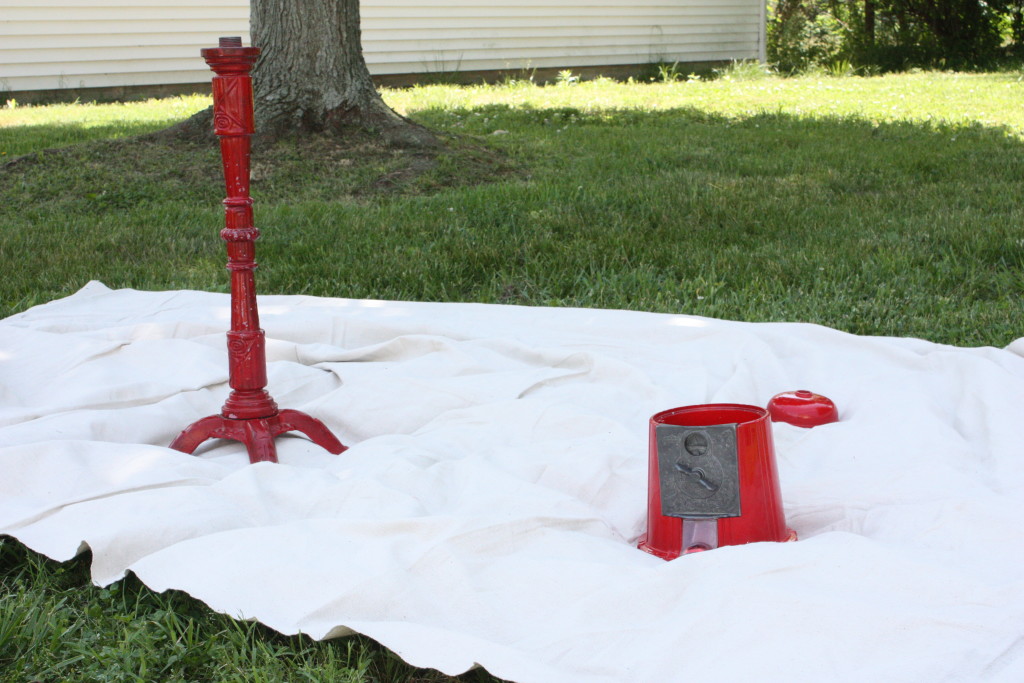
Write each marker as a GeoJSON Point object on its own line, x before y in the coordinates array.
{"type": "Point", "coordinates": [761, 517]}
{"type": "Point", "coordinates": [802, 408]}
{"type": "Point", "coordinates": [249, 415]}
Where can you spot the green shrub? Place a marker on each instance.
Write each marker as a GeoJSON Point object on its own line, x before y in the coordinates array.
{"type": "Point", "coordinates": [803, 34]}
{"type": "Point", "coordinates": [891, 35]}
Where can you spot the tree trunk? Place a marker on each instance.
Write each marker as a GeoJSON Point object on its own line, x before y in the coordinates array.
{"type": "Point", "coordinates": [869, 21]}
{"type": "Point", "coordinates": [311, 75]}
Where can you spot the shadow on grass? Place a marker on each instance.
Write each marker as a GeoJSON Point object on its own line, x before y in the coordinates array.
{"type": "Point", "coordinates": [56, 625]}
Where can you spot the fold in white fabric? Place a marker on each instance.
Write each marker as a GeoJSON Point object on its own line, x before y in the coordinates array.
{"type": "Point", "coordinates": [488, 509]}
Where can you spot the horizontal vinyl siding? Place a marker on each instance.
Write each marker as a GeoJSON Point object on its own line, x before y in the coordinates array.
{"type": "Point", "coordinates": [403, 36]}
{"type": "Point", "coordinates": [55, 44]}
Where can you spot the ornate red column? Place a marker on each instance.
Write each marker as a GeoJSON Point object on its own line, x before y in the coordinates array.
{"type": "Point", "coordinates": [249, 415]}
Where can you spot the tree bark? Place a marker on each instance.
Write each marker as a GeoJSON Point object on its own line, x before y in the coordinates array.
{"type": "Point", "coordinates": [869, 21]}
{"type": "Point", "coordinates": [311, 75]}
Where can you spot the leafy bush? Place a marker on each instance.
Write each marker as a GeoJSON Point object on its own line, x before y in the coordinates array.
{"type": "Point", "coordinates": [891, 34]}
{"type": "Point", "coordinates": [804, 34]}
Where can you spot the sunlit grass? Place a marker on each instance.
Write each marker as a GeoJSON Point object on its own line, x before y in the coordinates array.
{"type": "Point", "coordinates": [25, 129]}
{"type": "Point", "coordinates": [990, 99]}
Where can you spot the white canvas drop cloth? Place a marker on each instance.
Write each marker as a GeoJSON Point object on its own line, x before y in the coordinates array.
{"type": "Point", "coordinates": [488, 509]}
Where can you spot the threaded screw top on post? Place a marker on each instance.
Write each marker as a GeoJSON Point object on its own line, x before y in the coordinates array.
{"type": "Point", "coordinates": [231, 41]}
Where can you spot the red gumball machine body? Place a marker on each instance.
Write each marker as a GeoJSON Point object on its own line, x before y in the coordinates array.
{"type": "Point", "coordinates": [712, 480]}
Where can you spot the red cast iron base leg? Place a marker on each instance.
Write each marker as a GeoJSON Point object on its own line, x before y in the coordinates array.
{"type": "Point", "coordinates": [258, 433]}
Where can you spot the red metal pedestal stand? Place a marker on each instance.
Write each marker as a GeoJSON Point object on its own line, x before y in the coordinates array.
{"type": "Point", "coordinates": [249, 415]}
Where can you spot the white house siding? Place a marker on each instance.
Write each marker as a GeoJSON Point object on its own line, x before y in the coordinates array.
{"type": "Point", "coordinates": [56, 44]}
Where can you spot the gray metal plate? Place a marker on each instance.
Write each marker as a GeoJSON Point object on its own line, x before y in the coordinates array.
{"type": "Point", "coordinates": [698, 468]}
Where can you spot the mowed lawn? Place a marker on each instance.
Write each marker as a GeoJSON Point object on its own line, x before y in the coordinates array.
{"type": "Point", "coordinates": [885, 206]}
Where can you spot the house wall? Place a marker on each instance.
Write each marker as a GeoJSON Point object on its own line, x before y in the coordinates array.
{"type": "Point", "coordinates": [60, 44]}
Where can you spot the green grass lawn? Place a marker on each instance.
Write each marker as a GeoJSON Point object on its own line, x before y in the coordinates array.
{"type": "Point", "coordinates": [881, 205]}
{"type": "Point", "coordinates": [887, 205]}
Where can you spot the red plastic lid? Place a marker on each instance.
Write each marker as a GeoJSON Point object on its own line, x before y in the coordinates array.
{"type": "Point", "coordinates": [802, 408]}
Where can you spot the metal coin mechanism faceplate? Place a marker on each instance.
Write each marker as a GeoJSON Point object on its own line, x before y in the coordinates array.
{"type": "Point", "coordinates": [698, 468]}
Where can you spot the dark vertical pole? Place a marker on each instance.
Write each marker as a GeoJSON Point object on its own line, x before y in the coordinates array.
{"type": "Point", "coordinates": [869, 21]}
